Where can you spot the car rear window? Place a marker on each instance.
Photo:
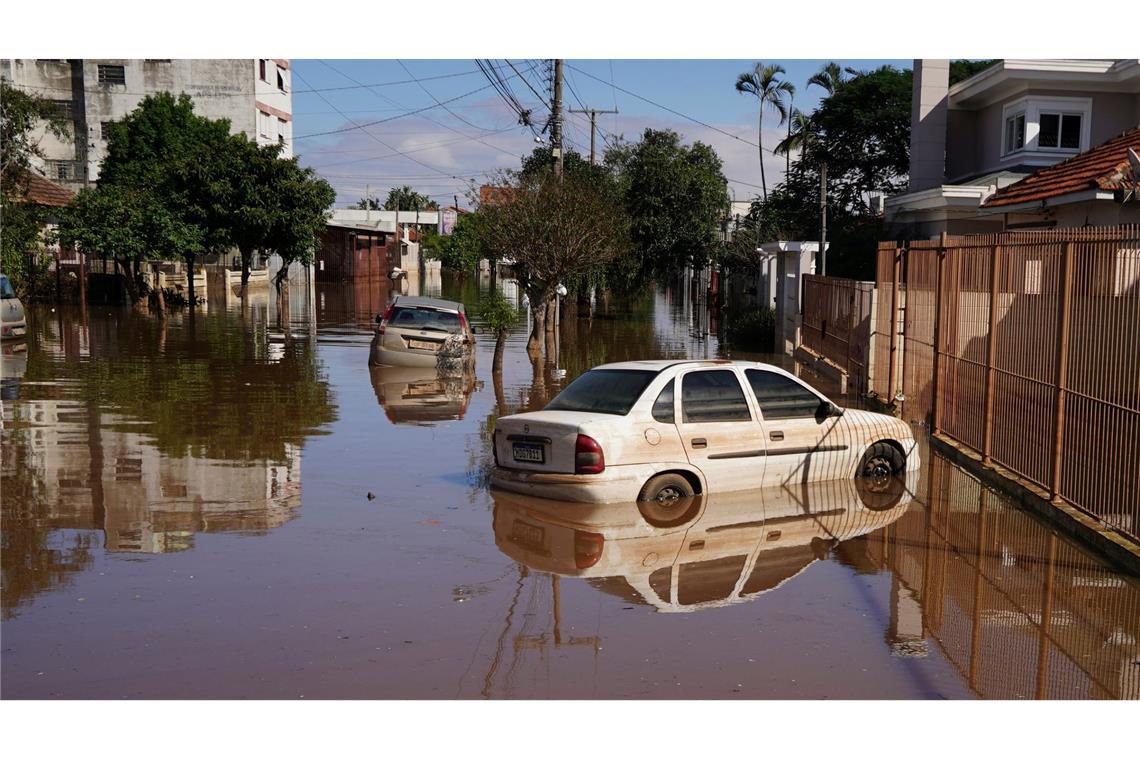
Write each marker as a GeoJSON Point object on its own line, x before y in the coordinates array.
{"type": "Point", "coordinates": [424, 319]}
{"type": "Point", "coordinates": [608, 391]}
{"type": "Point", "coordinates": [6, 288]}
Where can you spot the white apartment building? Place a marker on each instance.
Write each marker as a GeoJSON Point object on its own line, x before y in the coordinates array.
{"type": "Point", "coordinates": [254, 94]}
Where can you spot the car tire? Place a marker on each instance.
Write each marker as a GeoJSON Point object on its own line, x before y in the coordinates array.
{"type": "Point", "coordinates": [667, 501]}
{"type": "Point", "coordinates": [878, 480]}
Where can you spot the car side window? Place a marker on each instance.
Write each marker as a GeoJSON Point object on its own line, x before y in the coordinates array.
{"type": "Point", "coordinates": [781, 397]}
{"type": "Point", "coordinates": [713, 396]}
{"type": "Point", "coordinates": [663, 406]}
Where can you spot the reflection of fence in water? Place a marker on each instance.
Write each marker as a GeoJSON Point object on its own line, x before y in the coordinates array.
{"type": "Point", "coordinates": [1036, 367]}
{"type": "Point", "coordinates": [1019, 613]}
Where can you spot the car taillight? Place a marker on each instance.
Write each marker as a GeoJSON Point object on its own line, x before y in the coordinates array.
{"type": "Point", "coordinates": [462, 322]}
{"type": "Point", "coordinates": [587, 548]}
{"type": "Point", "coordinates": [588, 456]}
{"type": "Point", "coordinates": [387, 315]}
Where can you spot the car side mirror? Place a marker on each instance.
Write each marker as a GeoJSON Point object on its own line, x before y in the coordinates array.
{"type": "Point", "coordinates": [827, 409]}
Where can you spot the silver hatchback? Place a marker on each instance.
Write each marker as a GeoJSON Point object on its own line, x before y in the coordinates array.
{"type": "Point", "coordinates": [413, 331]}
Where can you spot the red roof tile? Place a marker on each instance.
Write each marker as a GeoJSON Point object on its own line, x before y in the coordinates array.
{"type": "Point", "coordinates": [43, 192]}
{"type": "Point", "coordinates": [1104, 167]}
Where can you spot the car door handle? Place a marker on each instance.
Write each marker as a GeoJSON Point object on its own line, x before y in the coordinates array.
{"type": "Point", "coordinates": [776, 435]}
{"type": "Point", "coordinates": [699, 443]}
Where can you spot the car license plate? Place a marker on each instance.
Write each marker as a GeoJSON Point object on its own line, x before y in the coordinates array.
{"type": "Point", "coordinates": [529, 452]}
{"type": "Point", "coordinates": [527, 535]}
{"type": "Point", "coordinates": [426, 345]}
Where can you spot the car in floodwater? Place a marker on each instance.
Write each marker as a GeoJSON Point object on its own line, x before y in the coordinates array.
{"type": "Point", "coordinates": [723, 549]}
{"type": "Point", "coordinates": [665, 430]}
{"type": "Point", "coordinates": [13, 322]}
{"type": "Point", "coordinates": [413, 331]}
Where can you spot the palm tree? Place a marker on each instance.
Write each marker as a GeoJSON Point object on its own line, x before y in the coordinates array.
{"type": "Point", "coordinates": [765, 84]}
{"type": "Point", "coordinates": [799, 134]}
{"type": "Point", "coordinates": [829, 77]}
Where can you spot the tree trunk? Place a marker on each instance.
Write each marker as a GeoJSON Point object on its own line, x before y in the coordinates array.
{"type": "Point", "coordinates": [500, 395]}
{"type": "Point", "coordinates": [190, 280]}
{"type": "Point", "coordinates": [551, 316]}
{"type": "Point", "coordinates": [585, 307]}
{"type": "Point", "coordinates": [760, 147]}
{"type": "Point", "coordinates": [500, 350]}
{"type": "Point", "coordinates": [246, 260]}
{"type": "Point", "coordinates": [131, 282]}
{"type": "Point", "coordinates": [281, 285]}
{"type": "Point", "coordinates": [156, 293]}
{"type": "Point", "coordinates": [538, 326]}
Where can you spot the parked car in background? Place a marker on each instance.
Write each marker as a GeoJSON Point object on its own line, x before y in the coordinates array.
{"type": "Point", "coordinates": [665, 430]}
{"type": "Point", "coordinates": [13, 323]}
{"type": "Point", "coordinates": [413, 331]}
{"type": "Point", "coordinates": [723, 549]}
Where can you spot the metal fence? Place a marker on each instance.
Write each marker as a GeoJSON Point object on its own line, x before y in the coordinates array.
{"type": "Point", "coordinates": [1025, 347]}
{"type": "Point", "coordinates": [838, 317]}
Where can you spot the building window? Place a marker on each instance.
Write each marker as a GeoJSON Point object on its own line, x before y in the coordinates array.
{"type": "Point", "coordinates": [280, 80]}
{"type": "Point", "coordinates": [263, 122]}
{"type": "Point", "coordinates": [1015, 133]}
{"type": "Point", "coordinates": [58, 169]}
{"type": "Point", "coordinates": [109, 74]}
{"type": "Point", "coordinates": [261, 69]}
{"type": "Point", "coordinates": [64, 109]}
{"type": "Point", "coordinates": [1060, 130]}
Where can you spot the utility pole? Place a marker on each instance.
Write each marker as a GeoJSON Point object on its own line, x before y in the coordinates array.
{"type": "Point", "coordinates": [556, 119]}
{"type": "Point", "coordinates": [823, 216]}
{"type": "Point", "coordinates": [593, 124]}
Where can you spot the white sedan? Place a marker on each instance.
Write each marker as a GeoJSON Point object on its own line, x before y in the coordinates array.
{"type": "Point", "coordinates": [664, 430]}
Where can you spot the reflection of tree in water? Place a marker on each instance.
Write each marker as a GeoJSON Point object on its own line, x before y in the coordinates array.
{"type": "Point", "coordinates": [34, 557]}
{"type": "Point", "coordinates": [211, 388]}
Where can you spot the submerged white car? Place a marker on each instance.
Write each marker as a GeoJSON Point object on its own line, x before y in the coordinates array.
{"type": "Point", "coordinates": [665, 430]}
{"type": "Point", "coordinates": [13, 324]}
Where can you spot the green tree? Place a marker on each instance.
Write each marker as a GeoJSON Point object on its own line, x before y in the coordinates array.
{"type": "Point", "coordinates": [406, 199]}
{"type": "Point", "coordinates": [24, 119]}
{"type": "Point", "coordinates": [464, 247]}
{"type": "Point", "coordinates": [498, 315]}
{"type": "Point", "coordinates": [370, 202]}
{"type": "Point", "coordinates": [303, 201]}
{"type": "Point", "coordinates": [674, 196]}
{"type": "Point", "coordinates": [829, 77]}
{"type": "Point", "coordinates": [764, 83]}
{"type": "Point", "coordinates": [962, 70]}
{"type": "Point", "coordinates": [131, 226]}
{"type": "Point", "coordinates": [179, 158]}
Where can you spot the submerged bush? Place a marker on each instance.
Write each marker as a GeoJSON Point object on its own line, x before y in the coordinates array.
{"type": "Point", "coordinates": [752, 329]}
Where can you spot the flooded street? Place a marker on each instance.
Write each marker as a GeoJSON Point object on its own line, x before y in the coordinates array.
{"type": "Point", "coordinates": [187, 514]}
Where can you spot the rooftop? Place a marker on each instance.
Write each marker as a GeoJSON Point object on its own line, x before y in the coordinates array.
{"type": "Point", "coordinates": [43, 192]}
{"type": "Point", "coordinates": [1104, 168]}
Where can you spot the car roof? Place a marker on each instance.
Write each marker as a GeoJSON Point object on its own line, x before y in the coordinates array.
{"type": "Point", "coordinates": [657, 365]}
{"type": "Point", "coordinates": [433, 303]}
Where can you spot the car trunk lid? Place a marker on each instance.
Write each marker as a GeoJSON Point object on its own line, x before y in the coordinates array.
{"type": "Point", "coordinates": [539, 441]}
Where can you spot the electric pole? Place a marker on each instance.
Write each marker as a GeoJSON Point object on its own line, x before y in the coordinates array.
{"type": "Point", "coordinates": [593, 124]}
{"type": "Point", "coordinates": [556, 119]}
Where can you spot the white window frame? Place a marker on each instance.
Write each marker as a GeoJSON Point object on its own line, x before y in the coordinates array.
{"type": "Point", "coordinates": [1033, 107]}
{"type": "Point", "coordinates": [264, 120]}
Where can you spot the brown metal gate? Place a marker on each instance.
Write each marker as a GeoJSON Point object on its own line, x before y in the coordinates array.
{"type": "Point", "coordinates": [1037, 366]}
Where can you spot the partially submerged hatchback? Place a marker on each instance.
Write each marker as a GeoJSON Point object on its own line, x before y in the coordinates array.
{"type": "Point", "coordinates": [413, 331]}
{"type": "Point", "coordinates": [13, 323]}
{"type": "Point", "coordinates": [665, 430]}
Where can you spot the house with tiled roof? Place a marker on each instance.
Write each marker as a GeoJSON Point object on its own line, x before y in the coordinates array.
{"type": "Point", "coordinates": [1006, 127]}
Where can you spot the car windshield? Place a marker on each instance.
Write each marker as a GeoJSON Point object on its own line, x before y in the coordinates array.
{"type": "Point", "coordinates": [424, 319]}
{"type": "Point", "coordinates": [608, 391]}
{"type": "Point", "coordinates": [6, 288]}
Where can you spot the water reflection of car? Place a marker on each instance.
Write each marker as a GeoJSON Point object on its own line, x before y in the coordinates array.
{"type": "Point", "coordinates": [13, 365]}
{"type": "Point", "coordinates": [663, 430]}
{"type": "Point", "coordinates": [730, 547]}
{"type": "Point", "coordinates": [422, 394]}
{"type": "Point", "coordinates": [13, 323]}
{"type": "Point", "coordinates": [412, 332]}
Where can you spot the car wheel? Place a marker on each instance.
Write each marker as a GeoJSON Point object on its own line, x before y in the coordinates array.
{"type": "Point", "coordinates": [878, 481]}
{"type": "Point", "coordinates": [667, 501]}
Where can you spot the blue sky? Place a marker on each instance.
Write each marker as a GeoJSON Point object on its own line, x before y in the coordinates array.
{"type": "Point", "coordinates": [442, 149]}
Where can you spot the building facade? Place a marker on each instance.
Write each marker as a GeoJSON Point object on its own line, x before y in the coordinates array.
{"type": "Point", "coordinates": [254, 94]}
{"type": "Point", "coordinates": [976, 137]}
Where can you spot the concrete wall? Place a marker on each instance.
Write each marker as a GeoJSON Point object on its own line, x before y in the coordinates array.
{"type": "Point", "coordinates": [928, 123]}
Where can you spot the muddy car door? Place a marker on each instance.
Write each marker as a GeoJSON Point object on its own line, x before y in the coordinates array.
{"type": "Point", "coordinates": [719, 431]}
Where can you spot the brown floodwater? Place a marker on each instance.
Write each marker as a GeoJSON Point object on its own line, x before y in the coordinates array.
{"type": "Point", "coordinates": [186, 514]}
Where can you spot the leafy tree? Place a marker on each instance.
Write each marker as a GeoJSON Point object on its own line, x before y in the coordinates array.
{"type": "Point", "coordinates": [764, 83]}
{"type": "Point", "coordinates": [674, 196]}
{"type": "Point", "coordinates": [24, 119]}
{"type": "Point", "coordinates": [304, 200]}
{"type": "Point", "coordinates": [498, 315]}
{"type": "Point", "coordinates": [962, 70]}
{"type": "Point", "coordinates": [176, 155]}
{"type": "Point", "coordinates": [406, 199]}
{"type": "Point", "coordinates": [464, 247]}
{"type": "Point", "coordinates": [130, 226]}
{"type": "Point", "coordinates": [368, 203]}
{"type": "Point", "coordinates": [554, 230]}
{"type": "Point", "coordinates": [829, 77]}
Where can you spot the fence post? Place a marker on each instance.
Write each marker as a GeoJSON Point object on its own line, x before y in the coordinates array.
{"type": "Point", "coordinates": [1065, 292]}
{"type": "Point", "coordinates": [892, 357]}
{"type": "Point", "coordinates": [936, 385]}
{"type": "Point", "coordinates": [991, 355]}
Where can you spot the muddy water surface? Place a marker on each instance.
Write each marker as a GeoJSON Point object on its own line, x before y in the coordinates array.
{"type": "Point", "coordinates": [186, 513]}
